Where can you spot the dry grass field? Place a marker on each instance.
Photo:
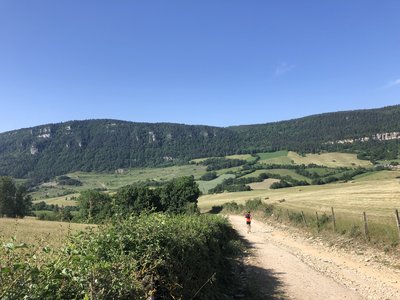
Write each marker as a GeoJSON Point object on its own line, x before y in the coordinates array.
{"type": "Point", "coordinates": [62, 200]}
{"type": "Point", "coordinates": [377, 194]}
{"type": "Point", "coordinates": [331, 159]}
{"type": "Point", "coordinates": [264, 185]}
{"type": "Point", "coordinates": [32, 231]}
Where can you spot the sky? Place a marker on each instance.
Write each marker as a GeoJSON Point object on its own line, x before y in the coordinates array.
{"type": "Point", "coordinates": [210, 62]}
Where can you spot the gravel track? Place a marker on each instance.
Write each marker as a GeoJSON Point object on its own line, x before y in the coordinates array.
{"type": "Point", "coordinates": [288, 265]}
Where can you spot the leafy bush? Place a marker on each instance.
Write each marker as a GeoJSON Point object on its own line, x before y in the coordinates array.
{"type": "Point", "coordinates": [160, 255]}
{"type": "Point", "coordinates": [296, 217]}
{"type": "Point", "coordinates": [269, 209]}
{"type": "Point", "coordinates": [209, 176]}
{"type": "Point", "coordinates": [231, 206]}
{"type": "Point", "coordinates": [253, 204]}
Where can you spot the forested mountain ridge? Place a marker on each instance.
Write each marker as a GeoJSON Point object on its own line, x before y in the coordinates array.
{"type": "Point", "coordinates": [322, 131]}
{"type": "Point", "coordinates": [104, 145]}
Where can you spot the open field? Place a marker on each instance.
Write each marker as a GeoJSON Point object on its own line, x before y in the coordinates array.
{"type": "Point", "coordinates": [204, 186]}
{"type": "Point", "coordinates": [63, 200]}
{"type": "Point", "coordinates": [376, 194]}
{"type": "Point", "coordinates": [113, 181]}
{"type": "Point", "coordinates": [288, 172]}
{"type": "Point", "coordinates": [247, 157]}
{"type": "Point", "coordinates": [278, 157]}
{"type": "Point", "coordinates": [32, 231]}
{"type": "Point", "coordinates": [331, 159]}
{"type": "Point", "coordinates": [264, 185]}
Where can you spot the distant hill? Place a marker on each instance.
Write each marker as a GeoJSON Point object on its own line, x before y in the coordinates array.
{"type": "Point", "coordinates": [44, 151]}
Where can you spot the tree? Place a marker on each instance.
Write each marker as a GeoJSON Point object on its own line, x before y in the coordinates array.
{"type": "Point", "coordinates": [137, 198]}
{"type": "Point", "coordinates": [14, 201]}
{"type": "Point", "coordinates": [178, 193]}
{"type": "Point", "coordinates": [94, 205]}
{"type": "Point", "coordinates": [23, 202]}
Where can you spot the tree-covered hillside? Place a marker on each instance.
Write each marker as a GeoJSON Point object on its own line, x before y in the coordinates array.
{"type": "Point", "coordinates": [314, 133]}
{"type": "Point", "coordinates": [104, 145]}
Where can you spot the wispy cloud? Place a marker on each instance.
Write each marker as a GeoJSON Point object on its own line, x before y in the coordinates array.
{"type": "Point", "coordinates": [283, 68]}
{"type": "Point", "coordinates": [392, 83]}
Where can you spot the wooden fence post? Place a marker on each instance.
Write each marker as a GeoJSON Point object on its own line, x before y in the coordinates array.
{"type": "Point", "coordinates": [333, 219]}
{"type": "Point", "coordinates": [396, 212]}
{"type": "Point", "coordinates": [317, 219]}
{"type": "Point", "coordinates": [304, 218]}
{"type": "Point", "coordinates": [366, 233]}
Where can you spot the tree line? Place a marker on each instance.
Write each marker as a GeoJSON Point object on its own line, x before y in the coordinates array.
{"type": "Point", "coordinates": [176, 196]}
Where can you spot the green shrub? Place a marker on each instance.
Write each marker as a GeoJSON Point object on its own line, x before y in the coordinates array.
{"type": "Point", "coordinates": [296, 217]}
{"type": "Point", "coordinates": [166, 256]}
{"type": "Point", "coordinates": [268, 209]}
{"type": "Point", "coordinates": [253, 204]}
{"type": "Point", "coordinates": [231, 206]}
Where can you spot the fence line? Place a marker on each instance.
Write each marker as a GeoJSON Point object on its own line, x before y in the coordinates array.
{"type": "Point", "coordinates": [365, 229]}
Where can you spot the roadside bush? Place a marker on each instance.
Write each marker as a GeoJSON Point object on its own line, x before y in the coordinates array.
{"type": "Point", "coordinates": [268, 209]}
{"type": "Point", "coordinates": [296, 217]}
{"type": "Point", "coordinates": [355, 231]}
{"type": "Point", "coordinates": [160, 255]}
{"type": "Point", "coordinates": [231, 206]}
{"type": "Point", "coordinates": [253, 204]}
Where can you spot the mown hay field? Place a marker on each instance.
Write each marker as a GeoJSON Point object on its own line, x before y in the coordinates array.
{"type": "Point", "coordinates": [247, 157]}
{"type": "Point", "coordinates": [377, 194]}
{"type": "Point", "coordinates": [264, 185]}
{"type": "Point", "coordinates": [331, 159]}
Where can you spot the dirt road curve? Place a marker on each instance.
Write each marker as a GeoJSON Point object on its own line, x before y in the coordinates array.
{"type": "Point", "coordinates": [291, 266]}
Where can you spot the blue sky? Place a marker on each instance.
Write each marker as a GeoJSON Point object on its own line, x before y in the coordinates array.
{"type": "Point", "coordinates": [211, 62]}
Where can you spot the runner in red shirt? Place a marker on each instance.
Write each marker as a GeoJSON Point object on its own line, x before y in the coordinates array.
{"type": "Point", "coordinates": [248, 221]}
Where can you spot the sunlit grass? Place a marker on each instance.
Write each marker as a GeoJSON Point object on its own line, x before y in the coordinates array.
{"type": "Point", "coordinates": [32, 231]}
{"type": "Point", "coordinates": [331, 159]}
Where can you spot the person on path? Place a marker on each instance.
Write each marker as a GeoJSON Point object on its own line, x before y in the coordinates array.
{"type": "Point", "coordinates": [248, 221]}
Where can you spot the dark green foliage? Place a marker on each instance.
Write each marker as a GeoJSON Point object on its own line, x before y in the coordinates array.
{"type": "Point", "coordinates": [218, 163]}
{"type": "Point", "coordinates": [280, 184]}
{"type": "Point", "coordinates": [165, 256]}
{"type": "Point", "coordinates": [208, 176]}
{"type": "Point", "coordinates": [137, 198]}
{"type": "Point", "coordinates": [269, 209]}
{"type": "Point", "coordinates": [231, 207]}
{"type": "Point", "coordinates": [14, 201]}
{"type": "Point", "coordinates": [176, 196]}
{"type": "Point", "coordinates": [95, 206]}
{"type": "Point", "coordinates": [253, 204]}
{"type": "Point", "coordinates": [237, 184]}
{"type": "Point", "coordinates": [65, 180]}
{"type": "Point", "coordinates": [296, 217]}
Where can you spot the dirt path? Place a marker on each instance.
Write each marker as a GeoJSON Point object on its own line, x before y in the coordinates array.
{"type": "Point", "coordinates": [291, 266]}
